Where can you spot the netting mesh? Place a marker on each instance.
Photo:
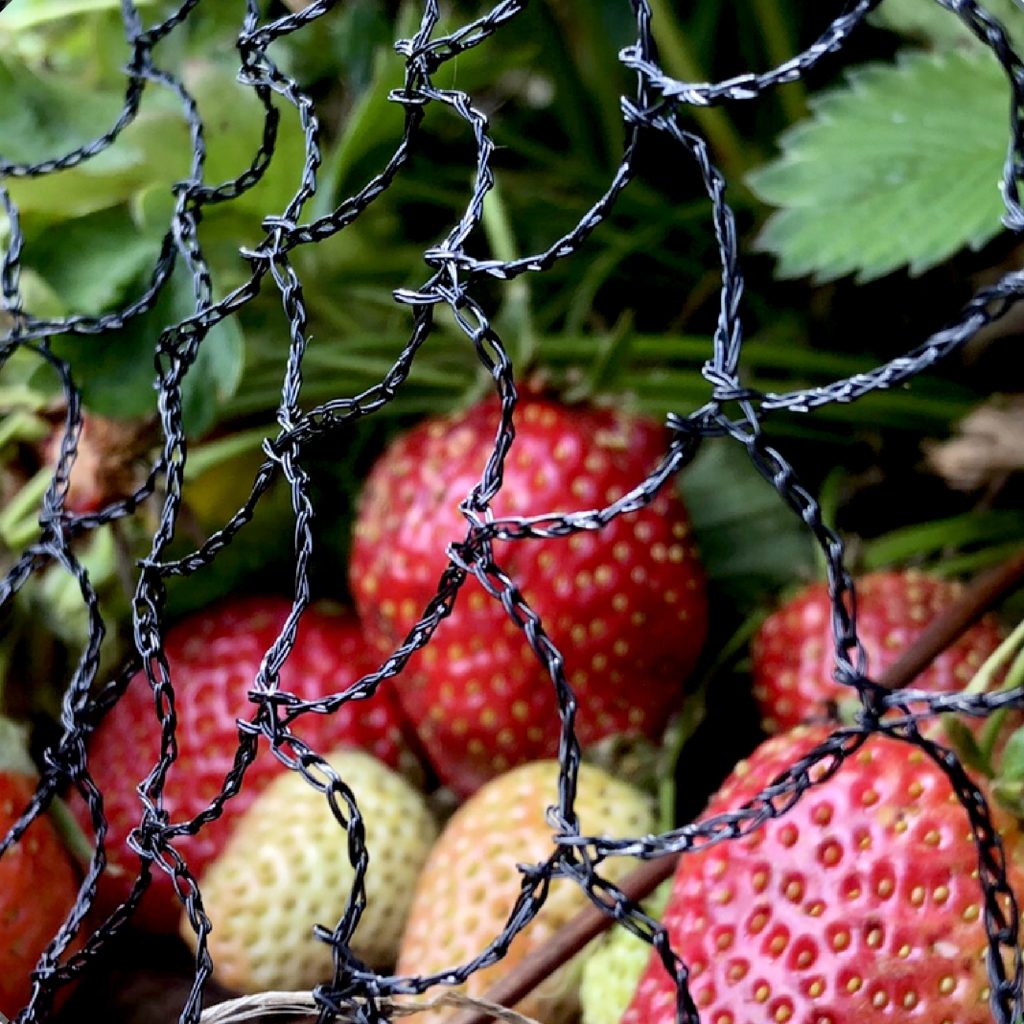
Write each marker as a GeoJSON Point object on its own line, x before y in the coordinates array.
{"type": "Point", "coordinates": [659, 105]}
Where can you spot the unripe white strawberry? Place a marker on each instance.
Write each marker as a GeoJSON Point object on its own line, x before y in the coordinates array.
{"type": "Point", "coordinates": [614, 965]}
{"type": "Point", "coordinates": [286, 868]}
{"type": "Point", "coordinates": [470, 882]}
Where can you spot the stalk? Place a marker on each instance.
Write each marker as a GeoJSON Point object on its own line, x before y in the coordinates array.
{"type": "Point", "coordinates": [681, 62]}
{"type": "Point", "coordinates": [780, 46]}
{"type": "Point", "coordinates": [501, 238]}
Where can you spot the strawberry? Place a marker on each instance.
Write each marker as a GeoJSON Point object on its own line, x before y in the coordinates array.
{"type": "Point", "coordinates": [214, 658]}
{"type": "Point", "coordinates": [612, 970]}
{"type": "Point", "coordinates": [469, 884]}
{"type": "Point", "coordinates": [626, 606]}
{"type": "Point", "coordinates": [860, 905]}
{"type": "Point", "coordinates": [286, 868]}
{"type": "Point", "coordinates": [792, 651]}
{"type": "Point", "coordinates": [38, 882]}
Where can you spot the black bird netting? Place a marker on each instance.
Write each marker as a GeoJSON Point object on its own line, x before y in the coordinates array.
{"type": "Point", "coordinates": [659, 106]}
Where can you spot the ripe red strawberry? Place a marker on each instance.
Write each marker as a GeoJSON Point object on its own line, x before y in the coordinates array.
{"type": "Point", "coordinates": [626, 606]}
{"type": "Point", "coordinates": [792, 651]}
{"type": "Point", "coordinates": [214, 658]}
{"type": "Point", "coordinates": [38, 883]}
{"type": "Point", "coordinates": [861, 905]}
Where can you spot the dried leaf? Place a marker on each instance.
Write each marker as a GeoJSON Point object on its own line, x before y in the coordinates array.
{"type": "Point", "coordinates": [988, 446]}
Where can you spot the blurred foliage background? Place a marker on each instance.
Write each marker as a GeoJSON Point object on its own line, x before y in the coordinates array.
{"type": "Point", "coordinates": [867, 198]}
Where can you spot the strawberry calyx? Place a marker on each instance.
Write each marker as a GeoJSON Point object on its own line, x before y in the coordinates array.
{"type": "Point", "coordinates": [995, 750]}
{"type": "Point", "coordinates": [105, 464]}
{"type": "Point", "coordinates": [1002, 750]}
{"type": "Point", "coordinates": [629, 757]}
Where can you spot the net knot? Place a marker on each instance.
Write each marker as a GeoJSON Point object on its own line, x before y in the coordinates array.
{"type": "Point", "coordinates": [279, 224]}
{"type": "Point", "coordinates": [147, 838]}
{"type": "Point", "coordinates": [439, 257]}
{"type": "Point", "coordinates": [735, 393]}
{"type": "Point", "coordinates": [418, 297]}
{"type": "Point", "coordinates": [873, 697]}
{"type": "Point", "coordinates": [408, 98]}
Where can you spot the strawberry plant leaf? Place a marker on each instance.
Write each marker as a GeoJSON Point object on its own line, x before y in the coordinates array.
{"type": "Point", "coordinates": [25, 14]}
{"type": "Point", "coordinates": [939, 27]}
{"type": "Point", "coordinates": [898, 168]}
{"type": "Point", "coordinates": [750, 543]}
{"type": "Point", "coordinates": [118, 377]}
{"type": "Point", "coordinates": [234, 121]}
{"type": "Point", "coordinates": [1009, 783]}
{"type": "Point", "coordinates": [964, 743]}
{"type": "Point", "coordinates": [91, 262]}
{"type": "Point", "coordinates": [45, 115]}
{"type": "Point", "coordinates": [41, 116]}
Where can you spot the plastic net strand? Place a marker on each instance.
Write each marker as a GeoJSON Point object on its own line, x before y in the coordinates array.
{"type": "Point", "coordinates": [453, 279]}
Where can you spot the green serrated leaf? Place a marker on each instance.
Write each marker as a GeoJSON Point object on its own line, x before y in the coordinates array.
{"type": "Point", "coordinates": [898, 168]}
{"type": "Point", "coordinates": [233, 120]}
{"type": "Point", "coordinates": [90, 262]}
{"type": "Point", "coordinates": [117, 378]}
{"type": "Point", "coordinates": [1011, 796]}
{"type": "Point", "coordinates": [22, 14]}
{"type": "Point", "coordinates": [43, 116]}
{"type": "Point", "coordinates": [25, 14]}
{"type": "Point", "coordinates": [929, 21]}
{"type": "Point", "coordinates": [39, 296]}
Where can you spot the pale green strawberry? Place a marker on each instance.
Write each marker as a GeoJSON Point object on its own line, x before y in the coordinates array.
{"type": "Point", "coordinates": [614, 964]}
{"type": "Point", "coordinates": [286, 868]}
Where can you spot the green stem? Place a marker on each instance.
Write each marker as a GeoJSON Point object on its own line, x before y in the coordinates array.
{"type": "Point", "coordinates": [984, 677]}
{"type": "Point", "coordinates": [989, 734]}
{"type": "Point", "coordinates": [968, 565]}
{"type": "Point", "coordinates": [75, 839]}
{"type": "Point", "coordinates": [681, 62]}
{"type": "Point", "coordinates": [956, 532]}
{"type": "Point", "coordinates": [19, 522]}
{"type": "Point", "coordinates": [780, 46]}
{"type": "Point", "coordinates": [498, 228]}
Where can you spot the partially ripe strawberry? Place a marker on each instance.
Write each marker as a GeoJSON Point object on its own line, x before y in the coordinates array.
{"type": "Point", "coordinates": [860, 905]}
{"type": "Point", "coordinates": [470, 883]}
{"type": "Point", "coordinates": [214, 658]}
{"type": "Point", "coordinates": [793, 650]}
{"type": "Point", "coordinates": [38, 882]}
{"type": "Point", "coordinates": [613, 968]}
{"type": "Point", "coordinates": [626, 605]}
{"type": "Point", "coordinates": [286, 868]}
